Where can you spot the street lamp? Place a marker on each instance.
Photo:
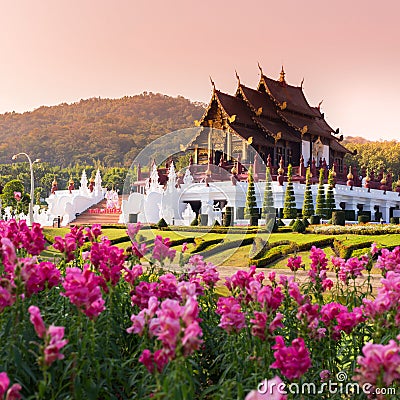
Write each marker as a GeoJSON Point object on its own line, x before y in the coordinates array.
{"type": "Point", "coordinates": [14, 157]}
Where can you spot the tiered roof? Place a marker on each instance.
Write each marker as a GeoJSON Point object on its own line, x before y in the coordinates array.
{"type": "Point", "coordinates": [276, 110]}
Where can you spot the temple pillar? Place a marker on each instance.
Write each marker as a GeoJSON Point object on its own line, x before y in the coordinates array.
{"type": "Point", "coordinates": [228, 146]}
{"type": "Point", "coordinates": [196, 154]}
{"type": "Point", "coordinates": [244, 151]}
{"type": "Point", "coordinates": [209, 143]}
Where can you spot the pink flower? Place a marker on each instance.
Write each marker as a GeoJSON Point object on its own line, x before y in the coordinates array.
{"type": "Point", "coordinates": [159, 359]}
{"type": "Point", "coordinates": [374, 249]}
{"type": "Point", "coordinates": [167, 286]}
{"type": "Point", "coordinates": [269, 389]}
{"type": "Point", "coordinates": [191, 339]}
{"type": "Point", "coordinates": [293, 361]}
{"type": "Point", "coordinates": [184, 247]}
{"type": "Point", "coordinates": [351, 269]}
{"type": "Point", "coordinates": [55, 343]}
{"type": "Point", "coordinates": [309, 313]}
{"type": "Point", "coordinates": [259, 324]}
{"type": "Point", "coordinates": [324, 375]}
{"type": "Point", "coordinates": [207, 272]}
{"type": "Point", "coordinates": [133, 229]}
{"type": "Point", "coordinates": [142, 293]}
{"type": "Point", "coordinates": [379, 364]}
{"type": "Point", "coordinates": [389, 260]}
{"type": "Point", "coordinates": [7, 299]}
{"type": "Point", "coordinates": [269, 297]}
{"type": "Point", "coordinates": [232, 318]}
{"type": "Point", "coordinates": [161, 250]}
{"type": "Point", "coordinates": [241, 279]}
{"type": "Point", "coordinates": [53, 336]}
{"type": "Point", "coordinates": [82, 289]}
{"type": "Point", "coordinates": [108, 260]}
{"type": "Point", "coordinates": [93, 232]}
{"type": "Point", "coordinates": [132, 274]}
{"type": "Point", "coordinates": [39, 276]}
{"type": "Point", "coordinates": [294, 263]}
{"type": "Point", "coordinates": [139, 250]}
{"type": "Point", "coordinates": [37, 321]}
{"type": "Point", "coordinates": [17, 196]}
{"type": "Point", "coordinates": [14, 392]}
{"type": "Point", "coordinates": [272, 276]}
{"type": "Point", "coordinates": [294, 292]}
{"type": "Point", "coordinates": [147, 360]}
{"type": "Point", "coordinates": [276, 322]}
{"type": "Point", "coordinates": [4, 383]}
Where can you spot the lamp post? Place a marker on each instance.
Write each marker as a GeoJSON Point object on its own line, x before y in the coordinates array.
{"type": "Point", "coordinates": [14, 157]}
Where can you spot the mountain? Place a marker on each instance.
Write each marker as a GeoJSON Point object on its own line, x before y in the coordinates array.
{"type": "Point", "coordinates": [110, 130]}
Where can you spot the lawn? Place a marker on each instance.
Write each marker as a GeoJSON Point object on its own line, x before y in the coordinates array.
{"type": "Point", "coordinates": [238, 257]}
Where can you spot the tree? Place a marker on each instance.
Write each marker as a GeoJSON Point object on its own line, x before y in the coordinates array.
{"type": "Point", "coordinates": [320, 202]}
{"type": "Point", "coordinates": [289, 205]}
{"type": "Point", "coordinates": [308, 205]}
{"type": "Point", "coordinates": [268, 209]}
{"type": "Point", "coordinates": [250, 210]}
{"type": "Point", "coordinates": [330, 196]}
{"type": "Point", "coordinates": [8, 196]}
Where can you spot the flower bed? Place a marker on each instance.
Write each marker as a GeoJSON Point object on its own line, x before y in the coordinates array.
{"type": "Point", "coordinates": [96, 324]}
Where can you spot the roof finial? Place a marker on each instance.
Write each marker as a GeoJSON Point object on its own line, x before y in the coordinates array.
{"type": "Point", "coordinates": [259, 67]}
{"type": "Point", "coordinates": [212, 82]}
{"type": "Point", "coordinates": [282, 76]}
{"type": "Point", "coordinates": [301, 84]}
{"type": "Point", "coordinates": [237, 77]}
{"type": "Point", "coordinates": [319, 104]}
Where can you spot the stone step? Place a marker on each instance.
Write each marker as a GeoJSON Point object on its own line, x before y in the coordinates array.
{"type": "Point", "coordinates": [89, 218]}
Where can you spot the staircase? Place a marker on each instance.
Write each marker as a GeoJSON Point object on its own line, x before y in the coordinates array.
{"type": "Point", "coordinates": [93, 215]}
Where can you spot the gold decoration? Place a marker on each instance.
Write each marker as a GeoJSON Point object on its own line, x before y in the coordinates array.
{"type": "Point", "coordinates": [232, 118]}
{"type": "Point", "coordinates": [398, 182]}
{"type": "Point", "coordinates": [304, 129]}
{"type": "Point", "coordinates": [350, 176]}
{"type": "Point", "coordinates": [250, 140]}
{"type": "Point", "coordinates": [283, 105]}
{"type": "Point", "coordinates": [259, 111]}
{"type": "Point", "coordinates": [282, 76]}
{"type": "Point", "coordinates": [196, 122]}
{"type": "Point", "coordinates": [234, 171]}
{"type": "Point", "coordinates": [383, 180]}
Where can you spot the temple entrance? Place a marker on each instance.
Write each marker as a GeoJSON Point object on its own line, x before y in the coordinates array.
{"type": "Point", "coordinates": [196, 206]}
{"type": "Point", "coordinates": [218, 155]}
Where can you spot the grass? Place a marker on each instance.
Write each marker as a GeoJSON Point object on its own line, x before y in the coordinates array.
{"type": "Point", "coordinates": [239, 257]}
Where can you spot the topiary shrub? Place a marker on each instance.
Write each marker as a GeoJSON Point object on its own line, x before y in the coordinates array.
{"type": "Point", "coordinates": [298, 226]}
{"type": "Point", "coordinates": [275, 227]}
{"type": "Point", "coordinates": [291, 223]}
{"type": "Point", "coordinates": [306, 222]}
{"type": "Point", "coordinates": [280, 222]}
{"type": "Point", "coordinates": [315, 220]}
{"type": "Point", "coordinates": [254, 220]}
{"type": "Point", "coordinates": [162, 223]}
{"type": "Point", "coordinates": [228, 217]}
{"type": "Point", "coordinates": [394, 220]}
{"type": "Point", "coordinates": [338, 218]}
{"type": "Point", "coordinates": [363, 219]}
{"type": "Point", "coordinates": [195, 222]}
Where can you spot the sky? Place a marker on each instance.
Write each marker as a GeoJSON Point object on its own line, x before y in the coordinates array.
{"type": "Point", "coordinates": [56, 51]}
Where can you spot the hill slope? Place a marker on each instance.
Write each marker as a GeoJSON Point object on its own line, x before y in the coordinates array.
{"type": "Point", "coordinates": [111, 130]}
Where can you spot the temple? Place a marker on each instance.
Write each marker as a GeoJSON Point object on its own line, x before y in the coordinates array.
{"type": "Point", "coordinates": [275, 119]}
{"type": "Point", "coordinates": [268, 128]}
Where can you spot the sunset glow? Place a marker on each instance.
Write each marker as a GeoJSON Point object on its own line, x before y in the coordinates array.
{"type": "Point", "coordinates": [347, 52]}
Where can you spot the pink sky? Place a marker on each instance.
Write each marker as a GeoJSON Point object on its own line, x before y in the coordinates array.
{"type": "Point", "coordinates": [55, 51]}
